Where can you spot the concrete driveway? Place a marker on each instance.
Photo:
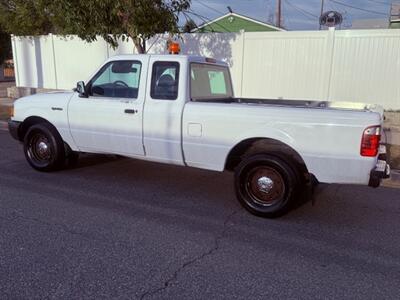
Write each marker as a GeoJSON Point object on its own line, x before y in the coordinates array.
{"type": "Point", "coordinates": [125, 229]}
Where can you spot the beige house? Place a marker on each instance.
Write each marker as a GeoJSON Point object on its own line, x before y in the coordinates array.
{"type": "Point", "coordinates": [395, 16]}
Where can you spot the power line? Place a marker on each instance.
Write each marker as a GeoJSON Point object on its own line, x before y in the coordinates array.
{"type": "Point", "coordinates": [304, 12]}
{"type": "Point", "coordinates": [188, 19]}
{"type": "Point", "coordinates": [358, 8]}
{"type": "Point", "coordinates": [288, 20]}
{"type": "Point", "coordinates": [203, 19]}
{"type": "Point", "coordinates": [206, 20]}
{"type": "Point", "coordinates": [380, 2]}
{"type": "Point", "coordinates": [210, 7]}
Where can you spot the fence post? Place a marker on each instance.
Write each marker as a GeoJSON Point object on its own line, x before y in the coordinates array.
{"type": "Point", "coordinates": [54, 60]}
{"type": "Point", "coordinates": [241, 63]}
{"type": "Point", "coordinates": [15, 59]}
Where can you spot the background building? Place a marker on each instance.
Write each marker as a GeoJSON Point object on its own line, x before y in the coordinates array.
{"type": "Point", "coordinates": [233, 22]}
{"type": "Point", "coordinates": [395, 16]}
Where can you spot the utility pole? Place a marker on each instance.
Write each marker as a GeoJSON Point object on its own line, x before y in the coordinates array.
{"type": "Point", "coordinates": [279, 13]}
{"type": "Point", "coordinates": [322, 11]}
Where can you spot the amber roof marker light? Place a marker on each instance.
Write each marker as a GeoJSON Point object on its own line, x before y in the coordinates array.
{"type": "Point", "coordinates": [174, 48]}
{"type": "Point", "coordinates": [211, 60]}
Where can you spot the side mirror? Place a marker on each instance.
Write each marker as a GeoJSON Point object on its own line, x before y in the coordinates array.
{"type": "Point", "coordinates": [81, 89]}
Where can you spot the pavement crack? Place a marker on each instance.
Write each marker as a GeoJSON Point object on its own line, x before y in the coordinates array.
{"type": "Point", "coordinates": [175, 274]}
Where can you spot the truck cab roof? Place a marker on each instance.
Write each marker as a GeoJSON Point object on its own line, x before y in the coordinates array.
{"type": "Point", "coordinates": [163, 57]}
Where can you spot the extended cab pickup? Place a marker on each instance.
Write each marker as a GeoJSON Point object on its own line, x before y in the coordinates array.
{"type": "Point", "coordinates": [181, 110]}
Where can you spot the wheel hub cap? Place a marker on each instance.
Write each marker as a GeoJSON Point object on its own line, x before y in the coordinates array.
{"type": "Point", "coordinates": [39, 149]}
{"type": "Point", "coordinates": [265, 184]}
{"type": "Point", "coordinates": [43, 148]}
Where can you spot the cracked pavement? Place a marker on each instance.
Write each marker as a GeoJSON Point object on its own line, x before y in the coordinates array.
{"type": "Point", "coordinates": [125, 229]}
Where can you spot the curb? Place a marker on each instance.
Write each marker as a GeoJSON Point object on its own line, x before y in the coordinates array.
{"type": "Point", "coordinates": [393, 181]}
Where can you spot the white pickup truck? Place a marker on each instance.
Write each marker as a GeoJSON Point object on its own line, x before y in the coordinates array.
{"type": "Point", "coordinates": [180, 110]}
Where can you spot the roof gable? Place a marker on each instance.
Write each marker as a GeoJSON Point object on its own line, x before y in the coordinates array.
{"type": "Point", "coordinates": [232, 22]}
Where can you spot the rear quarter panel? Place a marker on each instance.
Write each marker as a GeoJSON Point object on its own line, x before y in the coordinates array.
{"type": "Point", "coordinates": [328, 140]}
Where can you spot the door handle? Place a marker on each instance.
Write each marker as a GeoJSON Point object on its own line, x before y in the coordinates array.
{"type": "Point", "coordinates": [131, 111]}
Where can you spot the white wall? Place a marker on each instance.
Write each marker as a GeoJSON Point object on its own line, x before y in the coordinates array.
{"type": "Point", "coordinates": [348, 65]}
{"type": "Point", "coordinates": [366, 67]}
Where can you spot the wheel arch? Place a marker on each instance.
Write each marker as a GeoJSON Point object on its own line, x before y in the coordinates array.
{"type": "Point", "coordinates": [262, 145]}
{"type": "Point", "coordinates": [29, 122]}
{"type": "Point", "coordinates": [33, 120]}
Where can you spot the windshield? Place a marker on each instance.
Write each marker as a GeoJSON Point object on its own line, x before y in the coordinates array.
{"type": "Point", "coordinates": [210, 82]}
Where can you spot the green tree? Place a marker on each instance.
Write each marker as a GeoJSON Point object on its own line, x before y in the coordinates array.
{"type": "Point", "coordinates": [26, 17]}
{"type": "Point", "coordinates": [22, 17]}
{"type": "Point", "coordinates": [189, 26]}
{"type": "Point", "coordinates": [138, 20]}
{"type": "Point", "coordinates": [5, 46]}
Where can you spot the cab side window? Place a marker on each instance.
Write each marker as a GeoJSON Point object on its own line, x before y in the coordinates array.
{"type": "Point", "coordinates": [118, 79]}
{"type": "Point", "coordinates": [165, 80]}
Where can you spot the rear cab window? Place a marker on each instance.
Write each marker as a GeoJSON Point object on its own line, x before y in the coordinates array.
{"type": "Point", "coordinates": [209, 82]}
{"type": "Point", "coordinates": [165, 80]}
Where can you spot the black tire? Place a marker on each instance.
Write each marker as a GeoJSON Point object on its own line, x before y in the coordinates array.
{"type": "Point", "coordinates": [44, 148]}
{"type": "Point", "coordinates": [265, 185]}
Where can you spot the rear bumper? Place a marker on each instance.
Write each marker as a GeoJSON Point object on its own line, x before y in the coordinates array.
{"type": "Point", "coordinates": [13, 128]}
{"type": "Point", "coordinates": [381, 170]}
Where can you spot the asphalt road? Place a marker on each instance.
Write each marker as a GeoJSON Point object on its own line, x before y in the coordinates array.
{"type": "Point", "coordinates": [126, 229]}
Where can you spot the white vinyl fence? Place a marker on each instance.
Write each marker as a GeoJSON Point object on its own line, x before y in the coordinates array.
{"type": "Point", "coordinates": [347, 65]}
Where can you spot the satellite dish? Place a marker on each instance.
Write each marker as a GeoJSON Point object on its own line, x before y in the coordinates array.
{"type": "Point", "coordinates": [331, 18]}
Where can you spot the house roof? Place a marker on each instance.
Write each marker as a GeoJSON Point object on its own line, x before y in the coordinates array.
{"type": "Point", "coordinates": [232, 14]}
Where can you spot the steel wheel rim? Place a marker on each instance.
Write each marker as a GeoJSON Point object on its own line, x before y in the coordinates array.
{"type": "Point", "coordinates": [265, 186]}
{"type": "Point", "coordinates": [39, 149]}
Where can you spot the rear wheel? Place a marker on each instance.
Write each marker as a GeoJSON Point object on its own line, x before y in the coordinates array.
{"type": "Point", "coordinates": [44, 148]}
{"type": "Point", "coordinates": [265, 185]}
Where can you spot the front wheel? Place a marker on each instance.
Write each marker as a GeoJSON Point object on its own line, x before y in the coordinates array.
{"type": "Point", "coordinates": [265, 185]}
{"type": "Point", "coordinates": [44, 148]}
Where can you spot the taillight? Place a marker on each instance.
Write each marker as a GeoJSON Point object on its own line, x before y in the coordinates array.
{"type": "Point", "coordinates": [370, 141]}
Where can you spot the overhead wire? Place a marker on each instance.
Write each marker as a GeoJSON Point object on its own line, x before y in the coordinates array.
{"type": "Point", "coordinates": [299, 9]}
{"type": "Point", "coordinates": [380, 2]}
{"type": "Point", "coordinates": [304, 12]}
{"type": "Point", "coordinates": [210, 7]}
{"type": "Point", "coordinates": [187, 20]}
{"type": "Point", "coordinates": [359, 8]}
{"type": "Point", "coordinates": [207, 20]}
{"type": "Point", "coordinates": [203, 19]}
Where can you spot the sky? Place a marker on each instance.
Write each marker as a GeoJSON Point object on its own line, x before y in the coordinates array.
{"type": "Point", "coordinates": [297, 14]}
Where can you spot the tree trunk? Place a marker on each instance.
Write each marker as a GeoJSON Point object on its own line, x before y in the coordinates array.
{"type": "Point", "coordinates": [140, 45]}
